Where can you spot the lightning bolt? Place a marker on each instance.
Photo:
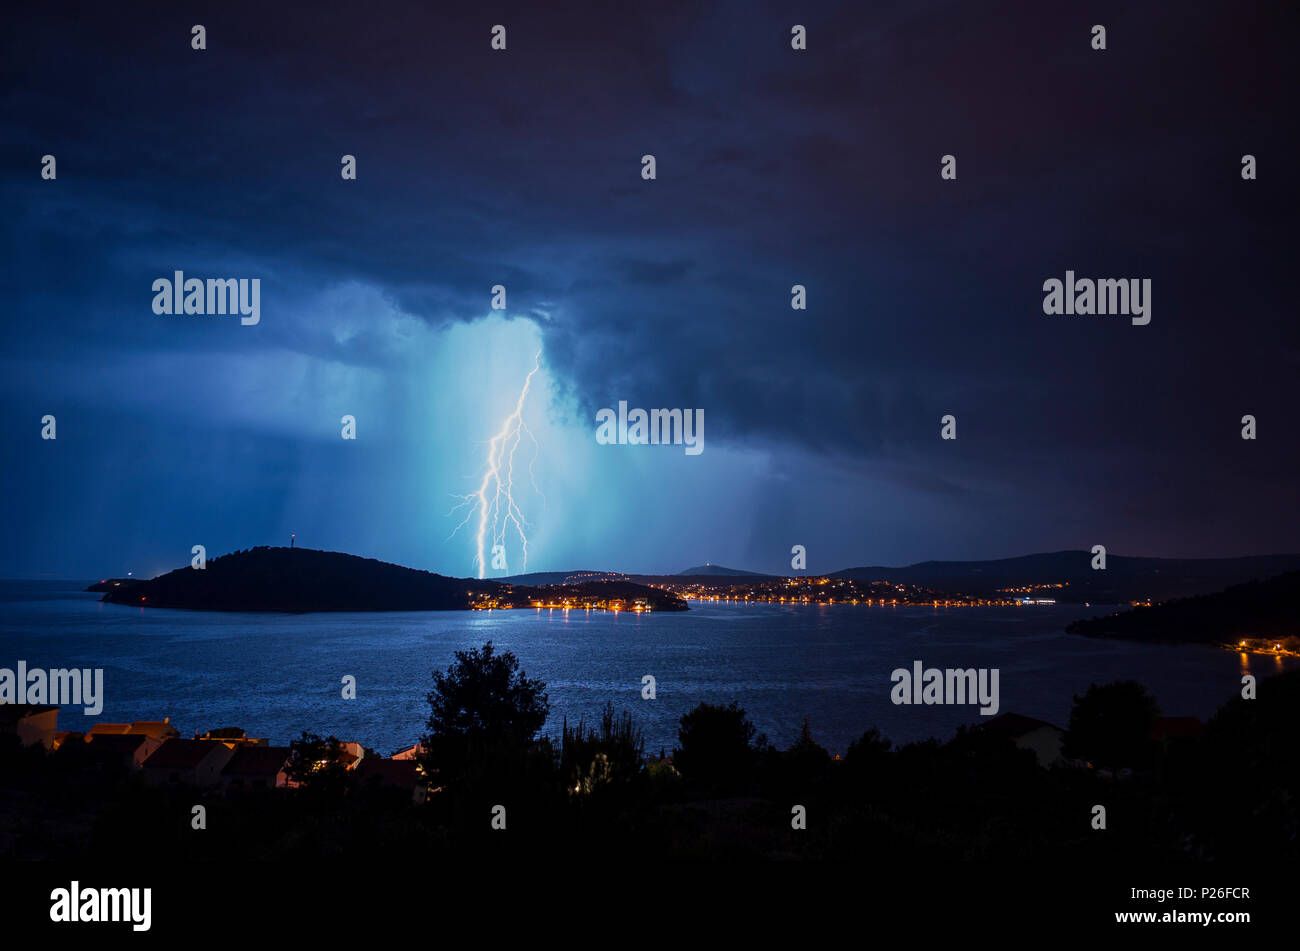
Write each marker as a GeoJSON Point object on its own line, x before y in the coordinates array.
{"type": "Point", "coordinates": [494, 502]}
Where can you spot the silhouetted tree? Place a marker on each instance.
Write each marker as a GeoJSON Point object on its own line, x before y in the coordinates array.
{"type": "Point", "coordinates": [807, 759]}
{"type": "Point", "coordinates": [590, 759]}
{"type": "Point", "coordinates": [1246, 773]}
{"type": "Point", "coordinates": [715, 745]}
{"type": "Point", "coordinates": [483, 709]}
{"type": "Point", "coordinates": [866, 755]}
{"type": "Point", "coordinates": [1110, 725]}
{"type": "Point", "coordinates": [869, 745]}
{"type": "Point", "coordinates": [316, 764]}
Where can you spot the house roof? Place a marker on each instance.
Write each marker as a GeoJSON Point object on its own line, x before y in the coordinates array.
{"type": "Point", "coordinates": [1015, 725]}
{"type": "Point", "coordinates": [257, 761]}
{"type": "Point", "coordinates": [154, 728]}
{"type": "Point", "coordinates": [389, 772]}
{"type": "Point", "coordinates": [1177, 727]}
{"type": "Point", "coordinates": [182, 754]}
{"type": "Point", "coordinates": [226, 733]}
{"type": "Point", "coordinates": [124, 743]}
{"type": "Point", "coordinates": [13, 712]}
{"type": "Point", "coordinates": [106, 729]}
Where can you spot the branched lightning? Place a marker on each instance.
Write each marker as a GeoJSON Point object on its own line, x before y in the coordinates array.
{"type": "Point", "coordinates": [494, 502]}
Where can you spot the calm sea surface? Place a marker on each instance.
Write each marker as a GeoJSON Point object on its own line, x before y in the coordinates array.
{"type": "Point", "coordinates": [276, 675]}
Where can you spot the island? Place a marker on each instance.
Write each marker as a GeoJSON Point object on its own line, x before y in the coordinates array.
{"type": "Point", "coordinates": [1256, 617]}
{"type": "Point", "coordinates": [305, 580]}
{"type": "Point", "coordinates": [108, 584]}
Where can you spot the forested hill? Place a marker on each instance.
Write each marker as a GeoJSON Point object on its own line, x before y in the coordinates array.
{"type": "Point", "coordinates": [301, 579]}
{"type": "Point", "coordinates": [1257, 609]}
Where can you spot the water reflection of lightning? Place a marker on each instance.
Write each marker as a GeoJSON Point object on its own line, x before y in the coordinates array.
{"type": "Point", "coordinates": [495, 499]}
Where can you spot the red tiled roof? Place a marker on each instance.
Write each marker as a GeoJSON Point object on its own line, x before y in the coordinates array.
{"type": "Point", "coordinates": [226, 733]}
{"type": "Point", "coordinates": [1014, 725]}
{"type": "Point", "coordinates": [390, 772]}
{"type": "Point", "coordinates": [181, 754]}
{"type": "Point", "coordinates": [109, 729]}
{"type": "Point", "coordinates": [154, 728]}
{"type": "Point", "coordinates": [1177, 727]}
{"type": "Point", "coordinates": [257, 761]}
{"type": "Point", "coordinates": [122, 743]}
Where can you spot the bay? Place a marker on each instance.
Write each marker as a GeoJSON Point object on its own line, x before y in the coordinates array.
{"type": "Point", "coordinates": [275, 675]}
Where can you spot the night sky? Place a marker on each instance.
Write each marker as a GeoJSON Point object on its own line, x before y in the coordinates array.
{"type": "Point", "coordinates": [522, 167]}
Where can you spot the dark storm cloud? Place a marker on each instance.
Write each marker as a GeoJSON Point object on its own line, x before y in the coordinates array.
{"type": "Point", "coordinates": [775, 168]}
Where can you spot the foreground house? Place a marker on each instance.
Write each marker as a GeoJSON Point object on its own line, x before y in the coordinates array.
{"type": "Point", "coordinates": [189, 762]}
{"type": "Point", "coordinates": [352, 754]}
{"type": "Point", "coordinates": [126, 749]}
{"type": "Point", "coordinates": [1174, 734]}
{"type": "Point", "coordinates": [254, 766]}
{"type": "Point", "coordinates": [393, 773]}
{"type": "Point", "coordinates": [158, 729]}
{"type": "Point", "coordinates": [68, 736]}
{"type": "Point", "coordinates": [1166, 729]}
{"type": "Point", "coordinates": [411, 752]}
{"type": "Point", "coordinates": [32, 723]}
{"type": "Point", "coordinates": [1038, 736]}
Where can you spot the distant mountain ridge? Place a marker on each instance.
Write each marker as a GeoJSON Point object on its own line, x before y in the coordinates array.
{"type": "Point", "coordinates": [1079, 563]}
{"type": "Point", "coordinates": [301, 579]}
{"type": "Point", "coordinates": [543, 578]}
{"type": "Point", "coordinates": [717, 571]}
{"type": "Point", "coordinates": [1125, 577]}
